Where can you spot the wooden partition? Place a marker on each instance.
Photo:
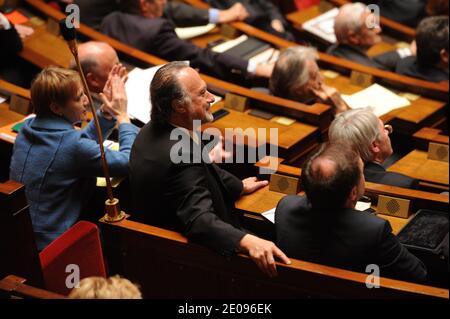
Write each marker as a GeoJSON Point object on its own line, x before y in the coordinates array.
{"type": "Point", "coordinates": [429, 89]}
{"type": "Point", "coordinates": [318, 114]}
{"type": "Point", "coordinates": [15, 287]}
{"type": "Point", "coordinates": [166, 265]}
{"type": "Point", "coordinates": [19, 255]}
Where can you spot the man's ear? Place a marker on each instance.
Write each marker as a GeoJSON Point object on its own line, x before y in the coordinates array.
{"type": "Point", "coordinates": [56, 108]}
{"type": "Point", "coordinates": [91, 80]}
{"type": "Point", "coordinates": [353, 38]}
{"type": "Point", "coordinates": [178, 107]}
{"type": "Point", "coordinates": [375, 147]}
{"type": "Point", "coordinates": [444, 56]}
{"type": "Point", "coordinates": [353, 197]}
{"type": "Point", "coordinates": [143, 4]}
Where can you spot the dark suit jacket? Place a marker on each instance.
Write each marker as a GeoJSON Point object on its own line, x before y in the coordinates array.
{"type": "Point", "coordinates": [184, 15]}
{"type": "Point", "coordinates": [261, 14]}
{"type": "Point", "coordinates": [11, 43]}
{"type": "Point", "coordinates": [92, 13]}
{"type": "Point", "coordinates": [344, 238]}
{"type": "Point", "coordinates": [376, 173]}
{"type": "Point", "coordinates": [409, 66]}
{"type": "Point", "coordinates": [385, 61]}
{"type": "Point", "coordinates": [157, 36]}
{"type": "Point", "coordinates": [194, 198]}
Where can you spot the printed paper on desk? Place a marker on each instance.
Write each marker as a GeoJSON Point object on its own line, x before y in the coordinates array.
{"type": "Point", "coordinates": [138, 93]}
{"type": "Point", "coordinates": [323, 25]}
{"type": "Point", "coordinates": [2, 99]}
{"type": "Point", "coordinates": [229, 44]}
{"type": "Point", "coordinates": [192, 32]}
{"type": "Point", "coordinates": [268, 56]}
{"type": "Point", "coordinates": [270, 215]}
{"type": "Point", "coordinates": [380, 99]}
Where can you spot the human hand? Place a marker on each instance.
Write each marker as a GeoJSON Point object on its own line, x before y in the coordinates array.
{"type": "Point", "coordinates": [218, 153]}
{"type": "Point", "coordinates": [264, 70]}
{"type": "Point", "coordinates": [262, 252]}
{"type": "Point", "coordinates": [413, 47]}
{"type": "Point", "coordinates": [236, 12]}
{"type": "Point", "coordinates": [117, 105]}
{"type": "Point", "coordinates": [252, 184]}
{"type": "Point", "coordinates": [121, 72]}
{"type": "Point", "coordinates": [24, 31]}
{"type": "Point", "coordinates": [277, 25]}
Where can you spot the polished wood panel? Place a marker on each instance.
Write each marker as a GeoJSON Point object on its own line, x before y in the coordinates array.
{"type": "Point", "coordinates": [425, 135]}
{"type": "Point", "coordinates": [417, 165]}
{"type": "Point", "coordinates": [174, 268]}
{"type": "Point", "coordinates": [16, 286]}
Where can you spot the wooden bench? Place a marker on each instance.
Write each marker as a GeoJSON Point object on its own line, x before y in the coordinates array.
{"type": "Point", "coordinates": [14, 287]}
{"type": "Point", "coordinates": [166, 265]}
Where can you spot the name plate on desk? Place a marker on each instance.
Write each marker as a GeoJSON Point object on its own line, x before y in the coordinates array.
{"type": "Point", "coordinates": [52, 26]}
{"type": "Point", "coordinates": [284, 184]}
{"type": "Point", "coordinates": [228, 31]}
{"type": "Point", "coordinates": [20, 105]}
{"type": "Point", "coordinates": [438, 152]}
{"type": "Point", "coordinates": [236, 102]}
{"type": "Point", "coordinates": [393, 206]}
{"type": "Point", "coordinates": [361, 79]}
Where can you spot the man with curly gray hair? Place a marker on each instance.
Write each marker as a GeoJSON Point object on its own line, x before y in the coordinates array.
{"type": "Point", "coordinates": [366, 133]}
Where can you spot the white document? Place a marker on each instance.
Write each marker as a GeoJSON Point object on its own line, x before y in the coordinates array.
{"type": "Point", "coordinates": [138, 93]}
{"type": "Point", "coordinates": [380, 99]}
{"type": "Point", "coordinates": [229, 44]}
{"type": "Point", "coordinates": [362, 205]}
{"type": "Point", "coordinates": [267, 56]}
{"type": "Point", "coordinates": [270, 215]}
{"type": "Point", "coordinates": [2, 99]}
{"type": "Point", "coordinates": [192, 32]}
{"type": "Point", "coordinates": [323, 25]}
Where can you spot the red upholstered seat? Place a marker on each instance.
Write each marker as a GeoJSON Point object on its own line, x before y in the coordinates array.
{"type": "Point", "coordinates": [79, 245]}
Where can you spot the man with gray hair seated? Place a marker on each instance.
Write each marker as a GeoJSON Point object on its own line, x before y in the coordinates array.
{"type": "Point", "coordinates": [356, 31]}
{"type": "Point", "coordinates": [366, 133]}
{"type": "Point", "coordinates": [296, 76]}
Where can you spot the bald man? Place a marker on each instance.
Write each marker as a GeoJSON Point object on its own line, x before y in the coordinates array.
{"type": "Point", "coordinates": [325, 227]}
{"type": "Point", "coordinates": [97, 59]}
{"type": "Point", "coordinates": [356, 32]}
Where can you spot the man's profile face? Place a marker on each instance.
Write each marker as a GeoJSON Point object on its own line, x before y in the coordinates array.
{"type": "Point", "coordinates": [368, 36]}
{"type": "Point", "coordinates": [156, 7]}
{"type": "Point", "coordinates": [383, 141]}
{"type": "Point", "coordinates": [201, 99]}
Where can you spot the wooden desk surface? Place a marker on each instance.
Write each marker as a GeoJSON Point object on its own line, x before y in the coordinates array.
{"type": "Point", "coordinates": [263, 200]}
{"type": "Point", "coordinates": [288, 135]}
{"type": "Point", "coordinates": [7, 117]}
{"type": "Point", "coordinates": [413, 116]}
{"type": "Point", "coordinates": [417, 165]}
{"type": "Point", "coordinates": [43, 48]}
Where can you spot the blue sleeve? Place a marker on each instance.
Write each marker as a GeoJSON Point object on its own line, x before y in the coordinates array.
{"type": "Point", "coordinates": [89, 158]}
{"type": "Point", "coordinates": [106, 126]}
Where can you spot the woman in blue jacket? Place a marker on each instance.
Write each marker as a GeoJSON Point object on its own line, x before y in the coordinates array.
{"type": "Point", "coordinates": [57, 163]}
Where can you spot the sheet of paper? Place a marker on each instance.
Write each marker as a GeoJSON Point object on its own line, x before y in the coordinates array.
{"type": "Point", "coordinates": [138, 93]}
{"type": "Point", "coordinates": [270, 215]}
{"type": "Point", "coordinates": [362, 205]}
{"type": "Point", "coordinates": [380, 99]}
{"type": "Point", "coordinates": [2, 99]}
{"type": "Point", "coordinates": [323, 25]}
{"type": "Point", "coordinates": [229, 44]}
{"type": "Point", "coordinates": [267, 56]}
{"type": "Point", "coordinates": [192, 32]}
{"type": "Point", "coordinates": [115, 181]}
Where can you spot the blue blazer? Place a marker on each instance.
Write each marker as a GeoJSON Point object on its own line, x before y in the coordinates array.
{"type": "Point", "coordinates": [58, 166]}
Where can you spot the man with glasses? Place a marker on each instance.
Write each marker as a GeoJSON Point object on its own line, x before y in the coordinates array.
{"type": "Point", "coordinates": [367, 134]}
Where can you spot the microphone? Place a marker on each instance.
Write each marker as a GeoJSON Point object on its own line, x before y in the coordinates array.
{"type": "Point", "coordinates": [113, 212]}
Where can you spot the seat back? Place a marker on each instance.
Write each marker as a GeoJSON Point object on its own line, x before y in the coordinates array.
{"type": "Point", "coordinates": [74, 255]}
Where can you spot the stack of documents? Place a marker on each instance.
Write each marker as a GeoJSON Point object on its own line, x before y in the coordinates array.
{"type": "Point", "coordinates": [323, 25]}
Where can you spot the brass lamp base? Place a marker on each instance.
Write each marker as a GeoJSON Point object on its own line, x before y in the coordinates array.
{"type": "Point", "coordinates": [113, 212]}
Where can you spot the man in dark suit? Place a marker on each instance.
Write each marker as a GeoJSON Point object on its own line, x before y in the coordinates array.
{"type": "Point", "coordinates": [365, 132]}
{"type": "Point", "coordinates": [431, 63]}
{"type": "Point", "coordinates": [141, 26]}
{"type": "Point", "coordinates": [92, 13]}
{"type": "Point", "coordinates": [262, 14]}
{"type": "Point", "coordinates": [324, 226]}
{"type": "Point", "coordinates": [174, 186]}
{"type": "Point", "coordinates": [356, 31]}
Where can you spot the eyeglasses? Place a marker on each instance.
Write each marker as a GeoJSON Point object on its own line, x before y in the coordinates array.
{"type": "Point", "coordinates": [388, 128]}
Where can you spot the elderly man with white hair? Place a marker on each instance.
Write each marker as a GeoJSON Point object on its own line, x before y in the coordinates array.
{"type": "Point", "coordinates": [356, 31]}
{"type": "Point", "coordinates": [296, 76]}
{"type": "Point", "coordinates": [366, 133]}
